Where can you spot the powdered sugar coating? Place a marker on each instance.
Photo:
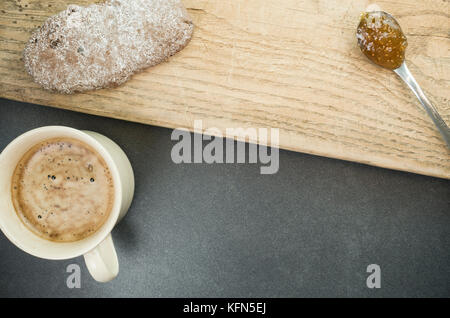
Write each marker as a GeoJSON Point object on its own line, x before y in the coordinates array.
{"type": "Point", "coordinates": [102, 45]}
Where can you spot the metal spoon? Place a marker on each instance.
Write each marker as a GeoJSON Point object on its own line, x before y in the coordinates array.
{"type": "Point", "coordinates": [383, 42]}
{"type": "Point", "coordinates": [407, 77]}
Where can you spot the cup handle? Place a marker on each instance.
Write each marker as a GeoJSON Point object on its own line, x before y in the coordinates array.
{"type": "Point", "coordinates": [102, 261]}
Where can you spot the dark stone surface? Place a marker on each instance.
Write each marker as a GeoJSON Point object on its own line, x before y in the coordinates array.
{"type": "Point", "coordinates": [224, 230]}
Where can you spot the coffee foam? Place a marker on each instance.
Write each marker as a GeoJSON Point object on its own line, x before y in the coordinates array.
{"type": "Point", "coordinates": [62, 190]}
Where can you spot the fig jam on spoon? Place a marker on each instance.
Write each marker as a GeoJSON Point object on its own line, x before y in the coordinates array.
{"type": "Point", "coordinates": [382, 40]}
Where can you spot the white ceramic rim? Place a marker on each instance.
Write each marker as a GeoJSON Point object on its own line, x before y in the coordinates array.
{"type": "Point", "coordinates": [77, 248]}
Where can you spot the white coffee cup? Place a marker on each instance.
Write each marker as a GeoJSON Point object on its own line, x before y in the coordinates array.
{"type": "Point", "coordinates": [98, 249]}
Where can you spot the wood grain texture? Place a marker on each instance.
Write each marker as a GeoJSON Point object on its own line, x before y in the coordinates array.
{"type": "Point", "coordinates": [289, 64]}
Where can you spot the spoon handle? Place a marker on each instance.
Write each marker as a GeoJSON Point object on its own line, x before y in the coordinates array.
{"type": "Point", "coordinates": [406, 76]}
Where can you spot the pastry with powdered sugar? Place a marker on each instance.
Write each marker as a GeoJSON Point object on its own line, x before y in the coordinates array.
{"type": "Point", "coordinates": [102, 45]}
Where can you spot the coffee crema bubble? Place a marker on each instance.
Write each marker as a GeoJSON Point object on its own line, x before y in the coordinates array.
{"type": "Point", "coordinates": [62, 190]}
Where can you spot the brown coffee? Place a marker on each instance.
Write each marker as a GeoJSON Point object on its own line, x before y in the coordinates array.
{"type": "Point", "coordinates": [62, 190]}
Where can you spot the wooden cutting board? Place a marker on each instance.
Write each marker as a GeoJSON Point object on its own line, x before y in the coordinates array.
{"type": "Point", "coordinates": [287, 64]}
